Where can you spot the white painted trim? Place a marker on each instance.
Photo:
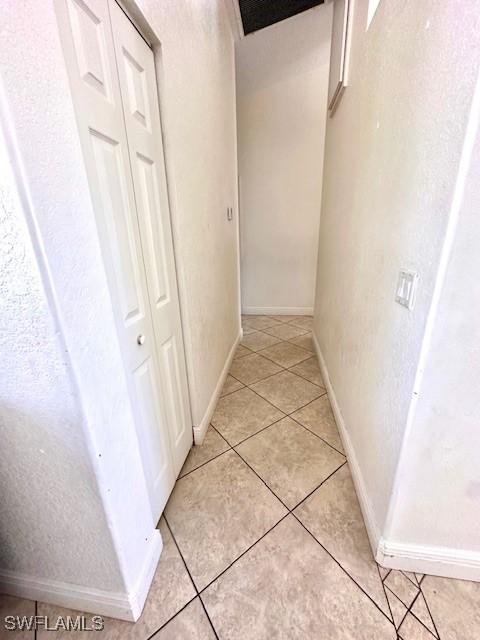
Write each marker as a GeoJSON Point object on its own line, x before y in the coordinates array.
{"type": "Point", "coordinates": [138, 596]}
{"type": "Point", "coordinates": [365, 505]}
{"type": "Point", "coordinates": [200, 430]}
{"type": "Point", "coordinates": [124, 606]}
{"type": "Point", "coordinates": [278, 311]}
{"type": "Point", "coordinates": [435, 561]}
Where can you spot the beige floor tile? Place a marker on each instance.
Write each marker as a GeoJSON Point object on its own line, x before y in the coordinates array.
{"type": "Point", "coordinates": [455, 607]}
{"type": "Point", "coordinates": [242, 351]}
{"type": "Point", "coordinates": [253, 368]}
{"type": "Point", "coordinates": [401, 586]}
{"type": "Point", "coordinates": [287, 391]}
{"type": "Point", "coordinates": [287, 318]}
{"type": "Point", "coordinates": [260, 322]}
{"type": "Point", "coordinates": [398, 609]}
{"type": "Point", "coordinates": [304, 322]}
{"type": "Point", "coordinates": [285, 354]}
{"type": "Point", "coordinates": [318, 417]}
{"type": "Point", "coordinates": [285, 331]}
{"type": "Point", "coordinates": [310, 370]}
{"type": "Point", "coordinates": [11, 606]}
{"type": "Point", "coordinates": [231, 384]}
{"type": "Point", "coordinates": [333, 515]}
{"type": "Point", "coordinates": [259, 340]}
{"type": "Point", "coordinates": [217, 512]}
{"type": "Point", "coordinates": [243, 413]}
{"type": "Point", "coordinates": [383, 572]}
{"type": "Point", "coordinates": [287, 587]}
{"type": "Point", "coordinates": [419, 577]}
{"type": "Point", "coordinates": [412, 629]}
{"type": "Point", "coordinates": [212, 446]}
{"type": "Point", "coordinates": [420, 611]}
{"type": "Point", "coordinates": [171, 589]}
{"type": "Point", "coordinates": [247, 330]}
{"type": "Point", "coordinates": [290, 460]}
{"type": "Point", "coordinates": [190, 624]}
{"type": "Point", "coordinates": [305, 341]}
{"type": "Point", "coordinates": [411, 577]}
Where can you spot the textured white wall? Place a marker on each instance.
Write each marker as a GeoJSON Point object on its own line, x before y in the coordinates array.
{"type": "Point", "coordinates": [438, 501]}
{"type": "Point", "coordinates": [197, 101]}
{"type": "Point", "coordinates": [391, 160]}
{"type": "Point", "coordinates": [62, 376]}
{"type": "Point", "coordinates": [282, 82]}
{"type": "Point", "coordinates": [49, 494]}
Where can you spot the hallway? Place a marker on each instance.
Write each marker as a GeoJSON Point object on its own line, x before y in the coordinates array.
{"type": "Point", "coordinates": [239, 305]}
{"type": "Point", "coordinates": [263, 535]}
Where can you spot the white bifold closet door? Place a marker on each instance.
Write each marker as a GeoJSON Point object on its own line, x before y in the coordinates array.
{"type": "Point", "coordinates": [112, 76]}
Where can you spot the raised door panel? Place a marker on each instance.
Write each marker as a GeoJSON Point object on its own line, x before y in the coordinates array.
{"type": "Point", "coordinates": [120, 228]}
{"type": "Point", "coordinates": [154, 232]}
{"type": "Point", "coordinates": [153, 436]}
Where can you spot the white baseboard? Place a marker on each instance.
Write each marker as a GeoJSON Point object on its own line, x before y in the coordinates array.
{"type": "Point", "coordinates": [138, 596]}
{"type": "Point", "coordinates": [435, 561]}
{"type": "Point", "coordinates": [124, 606]}
{"type": "Point", "coordinates": [200, 430]}
{"type": "Point", "coordinates": [278, 311]}
{"type": "Point", "coordinates": [365, 505]}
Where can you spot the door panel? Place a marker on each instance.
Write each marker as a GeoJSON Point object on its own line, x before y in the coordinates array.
{"type": "Point", "coordinates": [138, 87]}
{"type": "Point", "coordinates": [155, 236]}
{"type": "Point", "coordinates": [120, 227]}
{"type": "Point", "coordinates": [154, 453]}
{"type": "Point", "coordinates": [86, 35]}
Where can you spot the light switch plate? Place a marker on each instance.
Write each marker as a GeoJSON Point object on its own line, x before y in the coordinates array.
{"type": "Point", "coordinates": [406, 288]}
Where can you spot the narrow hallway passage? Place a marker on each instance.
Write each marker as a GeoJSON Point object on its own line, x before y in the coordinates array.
{"type": "Point", "coordinates": [263, 534]}
{"type": "Point", "coordinates": [266, 521]}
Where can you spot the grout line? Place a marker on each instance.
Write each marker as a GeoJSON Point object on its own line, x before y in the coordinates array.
{"type": "Point", "coordinates": [291, 512]}
{"type": "Point", "coordinates": [310, 402]}
{"type": "Point", "coordinates": [428, 609]}
{"type": "Point", "coordinates": [316, 488]}
{"type": "Point", "coordinates": [152, 635]}
{"type": "Point", "coordinates": [237, 444]}
{"type": "Point", "coordinates": [36, 614]}
{"type": "Point", "coordinates": [316, 434]}
{"type": "Point", "coordinates": [415, 584]}
{"type": "Point", "coordinates": [385, 588]}
{"type": "Point", "coordinates": [409, 608]}
{"type": "Point", "coordinates": [208, 616]}
{"type": "Point", "coordinates": [225, 395]}
{"type": "Point", "coordinates": [243, 553]}
{"type": "Point", "coordinates": [386, 597]}
{"type": "Point", "coordinates": [270, 375]}
{"type": "Point", "coordinates": [190, 576]}
{"type": "Point", "coordinates": [409, 611]}
{"type": "Point", "coordinates": [344, 570]}
{"type": "Point", "coordinates": [206, 461]}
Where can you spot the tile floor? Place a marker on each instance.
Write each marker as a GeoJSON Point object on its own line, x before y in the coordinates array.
{"type": "Point", "coordinates": [263, 535]}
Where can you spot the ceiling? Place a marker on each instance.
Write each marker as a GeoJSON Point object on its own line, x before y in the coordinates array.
{"type": "Point", "coordinates": [257, 14]}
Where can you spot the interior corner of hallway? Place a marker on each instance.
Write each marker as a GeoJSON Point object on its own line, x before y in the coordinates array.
{"type": "Point", "coordinates": [282, 84]}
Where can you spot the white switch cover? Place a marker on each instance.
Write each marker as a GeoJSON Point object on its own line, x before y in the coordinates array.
{"type": "Point", "coordinates": [406, 288]}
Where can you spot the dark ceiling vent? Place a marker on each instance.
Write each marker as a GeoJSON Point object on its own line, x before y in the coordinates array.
{"type": "Point", "coordinates": [257, 14]}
